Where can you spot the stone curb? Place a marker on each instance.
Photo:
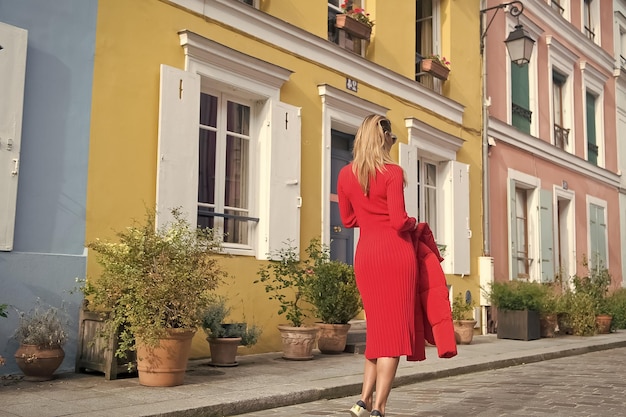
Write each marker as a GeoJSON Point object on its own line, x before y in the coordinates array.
{"type": "Point", "coordinates": [347, 390]}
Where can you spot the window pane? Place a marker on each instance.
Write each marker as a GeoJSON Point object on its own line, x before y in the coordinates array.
{"type": "Point", "coordinates": [522, 234]}
{"type": "Point", "coordinates": [206, 174]}
{"type": "Point", "coordinates": [208, 110]}
{"type": "Point", "coordinates": [237, 160]}
{"type": "Point", "coordinates": [238, 120]}
{"type": "Point", "coordinates": [235, 230]}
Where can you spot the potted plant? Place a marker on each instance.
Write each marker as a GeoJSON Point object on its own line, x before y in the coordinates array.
{"type": "Point", "coordinates": [616, 302]}
{"type": "Point", "coordinates": [463, 318]}
{"type": "Point", "coordinates": [41, 333]}
{"type": "Point", "coordinates": [549, 308]}
{"type": "Point", "coordinates": [596, 284]}
{"type": "Point", "coordinates": [355, 21]}
{"type": "Point", "coordinates": [225, 338]}
{"type": "Point", "coordinates": [154, 284]}
{"type": "Point", "coordinates": [285, 280]}
{"type": "Point", "coordinates": [435, 65]}
{"type": "Point", "coordinates": [518, 304]}
{"type": "Point", "coordinates": [331, 289]}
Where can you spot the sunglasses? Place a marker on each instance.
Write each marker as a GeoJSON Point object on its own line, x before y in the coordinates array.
{"type": "Point", "coordinates": [386, 126]}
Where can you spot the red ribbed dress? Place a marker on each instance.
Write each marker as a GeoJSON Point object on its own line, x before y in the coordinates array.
{"type": "Point", "coordinates": [385, 264]}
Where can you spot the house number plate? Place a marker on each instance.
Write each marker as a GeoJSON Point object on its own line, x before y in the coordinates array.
{"type": "Point", "coordinates": [352, 85]}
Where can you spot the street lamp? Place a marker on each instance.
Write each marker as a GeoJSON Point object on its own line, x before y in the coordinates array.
{"type": "Point", "coordinates": [520, 48]}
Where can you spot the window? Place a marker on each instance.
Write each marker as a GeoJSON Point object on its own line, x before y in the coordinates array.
{"type": "Point", "coordinates": [426, 36]}
{"type": "Point", "coordinates": [592, 147]}
{"type": "Point", "coordinates": [229, 150]}
{"type": "Point", "coordinates": [427, 193]}
{"type": "Point", "coordinates": [591, 16]}
{"type": "Point", "coordinates": [531, 229]}
{"type": "Point", "coordinates": [520, 100]}
{"type": "Point", "coordinates": [437, 190]}
{"type": "Point", "coordinates": [341, 37]}
{"type": "Point", "coordinates": [561, 133]}
{"type": "Point", "coordinates": [520, 254]}
{"type": "Point", "coordinates": [598, 242]}
{"type": "Point", "coordinates": [556, 5]}
{"type": "Point", "coordinates": [224, 167]}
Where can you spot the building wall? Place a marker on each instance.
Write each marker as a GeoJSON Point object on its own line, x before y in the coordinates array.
{"type": "Point", "coordinates": [48, 252]}
{"type": "Point", "coordinates": [135, 38]}
{"type": "Point", "coordinates": [534, 154]}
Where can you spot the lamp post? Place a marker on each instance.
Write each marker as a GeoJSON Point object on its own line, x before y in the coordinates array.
{"type": "Point", "coordinates": [520, 48]}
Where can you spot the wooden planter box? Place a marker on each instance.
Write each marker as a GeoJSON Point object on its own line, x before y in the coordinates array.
{"type": "Point", "coordinates": [518, 325]}
{"type": "Point", "coordinates": [435, 69]}
{"type": "Point", "coordinates": [98, 353]}
{"type": "Point", "coordinates": [353, 27]}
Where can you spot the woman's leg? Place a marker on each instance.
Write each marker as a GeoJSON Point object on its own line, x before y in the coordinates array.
{"type": "Point", "coordinates": [385, 374]}
{"type": "Point", "coordinates": [369, 382]}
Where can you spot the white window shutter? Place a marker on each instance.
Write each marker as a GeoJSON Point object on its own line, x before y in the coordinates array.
{"type": "Point", "coordinates": [12, 77]}
{"type": "Point", "coordinates": [284, 182]}
{"type": "Point", "coordinates": [177, 165]}
{"type": "Point", "coordinates": [547, 235]}
{"type": "Point", "coordinates": [408, 161]}
{"type": "Point", "coordinates": [455, 205]}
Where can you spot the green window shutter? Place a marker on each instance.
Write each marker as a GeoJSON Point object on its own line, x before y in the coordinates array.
{"type": "Point", "coordinates": [513, 230]}
{"type": "Point", "coordinates": [521, 114]}
{"type": "Point", "coordinates": [547, 236]}
{"type": "Point", "coordinates": [597, 236]}
{"type": "Point", "coordinates": [592, 147]}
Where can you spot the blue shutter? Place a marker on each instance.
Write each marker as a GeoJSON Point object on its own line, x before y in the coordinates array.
{"type": "Point", "coordinates": [521, 115]}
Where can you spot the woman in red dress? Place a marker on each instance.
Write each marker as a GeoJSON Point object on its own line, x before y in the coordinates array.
{"type": "Point", "coordinates": [370, 191]}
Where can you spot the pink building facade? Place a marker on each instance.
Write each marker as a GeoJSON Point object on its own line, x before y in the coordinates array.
{"type": "Point", "coordinates": [553, 177]}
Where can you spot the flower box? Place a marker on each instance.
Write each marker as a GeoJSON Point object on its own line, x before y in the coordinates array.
{"type": "Point", "coordinates": [353, 27]}
{"type": "Point", "coordinates": [435, 68]}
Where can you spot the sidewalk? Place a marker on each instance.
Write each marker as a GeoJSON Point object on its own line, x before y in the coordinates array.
{"type": "Point", "coordinates": [267, 381]}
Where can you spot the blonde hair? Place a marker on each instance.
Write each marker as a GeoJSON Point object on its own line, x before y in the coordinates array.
{"type": "Point", "coordinates": [371, 150]}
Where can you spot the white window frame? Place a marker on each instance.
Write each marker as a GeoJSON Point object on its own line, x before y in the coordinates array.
{"type": "Point", "coordinates": [453, 228]}
{"type": "Point", "coordinates": [220, 68]}
{"type": "Point", "coordinates": [533, 31]}
{"type": "Point", "coordinates": [256, 114]}
{"type": "Point", "coordinates": [594, 81]}
{"type": "Point", "coordinates": [516, 180]}
{"type": "Point", "coordinates": [600, 203]}
{"type": "Point", "coordinates": [344, 112]}
{"type": "Point", "coordinates": [562, 60]}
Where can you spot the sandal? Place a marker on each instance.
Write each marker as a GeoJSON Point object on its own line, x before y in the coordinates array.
{"type": "Point", "coordinates": [359, 410]}
{"type": "Point", "coordinates": [376, 413]}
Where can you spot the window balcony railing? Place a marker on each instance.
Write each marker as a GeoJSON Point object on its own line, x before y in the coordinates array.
{"type": "Point", "coordinates": [622, 61]}
{"type": "Point", "coordinates": [590, 33]}
{"type": "Point", "coordinates": [561, 136]}
{"type": "Point", "coordinates": [556, 6]}
{"type": "Point", "coordinates": [522, 112]}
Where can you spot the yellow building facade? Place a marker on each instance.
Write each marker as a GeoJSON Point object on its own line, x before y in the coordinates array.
{"type": "Point", "coordinates": [278, 85]}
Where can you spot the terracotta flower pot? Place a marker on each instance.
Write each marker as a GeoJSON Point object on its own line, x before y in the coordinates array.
{"type": "Point", "coordinates": [464, 331]}
{"type": "Point", "coordinates": [435, 69]}
{"type": "Point", "coordinates": [298, 342]}
{"type": "Point", "coordinates": [38, 363]}
{"type": "Point", "coordinates": [332, 337]}
{"type": "Point", "coordinates": [603, 323]}
{"type": "Point", "coordinates": [353, 27]}
{"type": "Point", "coordinates": [224, 350]}
{"type": "Point", "coordinates": [165, 364]}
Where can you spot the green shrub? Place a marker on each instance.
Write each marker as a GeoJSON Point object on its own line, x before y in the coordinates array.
{"type": "Point", "coordinates": [461, 309]}
{"type": "Point", "coordinates": [578, 313]}
{"type": "Point", "coordinates": [518, 295]}
{"type": "Point", "coordinates": [617, 308]}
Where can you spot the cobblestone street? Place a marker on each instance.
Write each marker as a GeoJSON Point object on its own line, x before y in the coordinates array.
{"type": "Point", "coordinates": [586, 385]}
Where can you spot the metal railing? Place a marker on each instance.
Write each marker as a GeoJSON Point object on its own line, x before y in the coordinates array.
{"type": "Point", "coordinates": [561, 136]}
